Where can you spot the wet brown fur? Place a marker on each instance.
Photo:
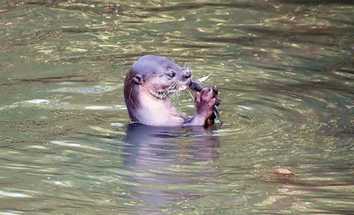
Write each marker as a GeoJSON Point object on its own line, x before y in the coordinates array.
{"type": "Point", "coordinates": [131, 94]}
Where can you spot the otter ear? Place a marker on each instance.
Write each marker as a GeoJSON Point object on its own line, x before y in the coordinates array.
{"type": "Point", "coordinates": [138, 79]}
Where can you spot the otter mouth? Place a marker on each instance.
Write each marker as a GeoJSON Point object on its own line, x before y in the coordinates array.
{"type": "Point", "coordinates": [184, 85]}
{"type": "Point", "coordinates": [166, 92]}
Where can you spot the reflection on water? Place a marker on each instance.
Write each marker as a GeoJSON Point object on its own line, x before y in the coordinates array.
{"type": "Point", "coordinates": [165, 164]}
{"type": "Point", "coordinates": [286, 78]}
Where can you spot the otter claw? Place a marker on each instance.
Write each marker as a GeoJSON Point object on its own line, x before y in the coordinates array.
{"type": "Point", "coordinates": [216, 91]}
{"type": "Point", "coordinates": [205, 101]}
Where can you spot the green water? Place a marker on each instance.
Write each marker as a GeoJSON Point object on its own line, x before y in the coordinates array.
{"type": "Point", "coordinates": [286, 78]}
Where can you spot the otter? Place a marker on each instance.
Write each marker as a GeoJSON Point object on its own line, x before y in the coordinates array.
{"type": "Point", "coordinates": [147, 89]}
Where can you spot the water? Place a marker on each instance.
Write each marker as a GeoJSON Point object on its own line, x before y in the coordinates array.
{"type": "Point", "coordinates": [285, 73]}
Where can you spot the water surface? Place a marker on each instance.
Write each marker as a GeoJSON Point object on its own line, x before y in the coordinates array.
{"type": "Point", "coordinates": [286, 77]}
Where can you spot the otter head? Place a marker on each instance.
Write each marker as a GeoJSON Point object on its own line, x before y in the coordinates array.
{"type": "Point", "coordinates": [153, 76]}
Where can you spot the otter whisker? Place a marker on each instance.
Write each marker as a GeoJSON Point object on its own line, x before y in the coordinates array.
{"type": "Point", "coordinates": [190, 93]}
{"type": "Point", "coordinates": [187, 68]}
{"type": "Point", "coordinates": [177, 95]}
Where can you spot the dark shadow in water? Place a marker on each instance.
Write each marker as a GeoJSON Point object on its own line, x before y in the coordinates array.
{"type": "Point", "coordinates": [163, 164]}
{"type": "Point", "coordinates": [196, 5]}
{"type": "Point", "coordinates": [269, 37]}
{"type": "Point", "coordinates": [317, 2]}
{"type": "Point", "coordinates": [85, 6]}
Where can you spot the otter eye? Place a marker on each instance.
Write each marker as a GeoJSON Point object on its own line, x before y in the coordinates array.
{"type": "Point", "coordinates": [171, 74]}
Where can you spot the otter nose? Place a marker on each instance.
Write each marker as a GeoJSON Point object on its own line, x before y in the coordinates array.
{"type": "Point", "coordinates": [187, 74]}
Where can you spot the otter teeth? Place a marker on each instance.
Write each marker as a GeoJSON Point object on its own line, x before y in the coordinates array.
{"type": "Point", "coordinates": [162, 94]}
{"type": "Point", "coordinates": [159, 94]}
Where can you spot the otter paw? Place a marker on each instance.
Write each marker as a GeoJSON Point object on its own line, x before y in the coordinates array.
{"type": "Point", "coordinates": [205, 101]}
